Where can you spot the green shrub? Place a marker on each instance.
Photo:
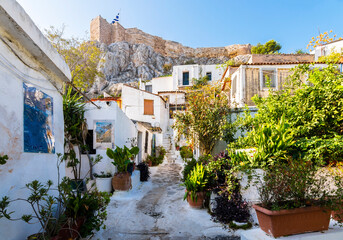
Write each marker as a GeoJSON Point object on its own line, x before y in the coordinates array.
{"type": "Point", "coordinates": [195, 182]}
{"type": "Point", "coordinates": [186, 152]}
{"type": "Point", "coordinates": [189, 166]}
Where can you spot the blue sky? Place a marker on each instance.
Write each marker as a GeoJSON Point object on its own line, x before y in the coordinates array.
{"type": "Point", "coordinates": [200, 23]}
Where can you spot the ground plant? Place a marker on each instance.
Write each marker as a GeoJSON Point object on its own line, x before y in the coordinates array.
{"type": "Point", "coordinates": [122, 157]}
{"type": "Point", "coordinates": [58, 208]}
{"type": "Point", "coordinates": [195, 182]}
{"type": "Point", "coordinates": [186, 152]}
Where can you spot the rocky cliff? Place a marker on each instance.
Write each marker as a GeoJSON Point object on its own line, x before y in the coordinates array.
{"type": "Point", "coordinates": [127, 62]}
{"type": "Point", "coordinates": [131, 54]}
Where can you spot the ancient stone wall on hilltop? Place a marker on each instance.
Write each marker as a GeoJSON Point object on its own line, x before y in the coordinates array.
{"type": "Point", "coordinates": [104, 32]}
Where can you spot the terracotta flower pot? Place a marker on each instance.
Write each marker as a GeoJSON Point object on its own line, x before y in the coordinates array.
{"type": "Point", "coordinates": [292, 221]}
{"type": "Point", "coordinates": [121, 181]}
{"type": "Point", "coordinates": [199, 201]}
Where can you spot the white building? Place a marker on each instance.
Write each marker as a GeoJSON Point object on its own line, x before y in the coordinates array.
{"type": "Point", "coordinates": [31, 112]}
{"type": "Point", "coordinates": [328, 48]}
{"type": "Point", "coordinates": [120, 131]}
{"type": "Point", "coordinates": [150, 113]}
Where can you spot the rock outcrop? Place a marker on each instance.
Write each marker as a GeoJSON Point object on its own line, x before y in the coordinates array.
{"type": "Point", "coordinates": [104, 32]}
{"type": "Point", "coordinates": [126, 62]}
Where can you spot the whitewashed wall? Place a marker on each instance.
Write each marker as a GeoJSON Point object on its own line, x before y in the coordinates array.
{"type": "Point", "coordinates": [124, 129]}
{"type": "Point", "coordinates": [327, 49]}
{"type": "Point", "coordinates": [195, 71]}
{"type": "Point", "coordinates": [24, 167]}
{"type": "Point", "coordinates": [162, 84]}
{"type": "Point", "coordinates": [133, 107]}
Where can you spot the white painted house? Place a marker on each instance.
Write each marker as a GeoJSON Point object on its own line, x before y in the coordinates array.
{"type": "Point", "coordinates": [150, 113]}
{"type": "Point", "coordinates": [120, 130]}
{"type": "Point", "coordinates": [31, 111]}
{"type": "Point", "coordinates": [328, 48]}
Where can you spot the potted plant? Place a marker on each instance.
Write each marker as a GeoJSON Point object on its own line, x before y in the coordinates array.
{"type": "Point", "coordinates": [121, 158]}
{"type": "Point", "coordinates": [177, 147]}
{"type": "Point", "coordinates": [294, 199]}
{"type": "Point", "coordinates": [195, 186]}
{"type": "Point", "coordinates": [103, 181]}
{"type": "Point", "coordinates": [144, 171]}
{"type": "Point", "coordinates": [67, 214]}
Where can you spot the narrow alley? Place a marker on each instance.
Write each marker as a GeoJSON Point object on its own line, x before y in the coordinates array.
{"type": "Point", "coordinates": [156, 210]}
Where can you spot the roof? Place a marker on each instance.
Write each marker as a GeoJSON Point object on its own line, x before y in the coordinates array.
{"type": "Point", "coordinates": [180, 91]}
{"type": "Point", "coordinates": [127, 85]}
{"type": "Point", "coordinates": [148, 126]}
{"type": "Point", "coordinates": [20, 33]}
{"type": "Point", "coordinates": [332, 42]}
{"type": "Point", "coordinates": [283, 63]}
{"type": "Point", "coordinates": [106, 99]}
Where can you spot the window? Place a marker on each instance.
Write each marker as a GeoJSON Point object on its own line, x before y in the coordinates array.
{"type": "Point", "coordinates": [234, 86]}
{"type": "Point", "coordinates": [172, 109]}
{"type": "Point", "coordinates": [209, 75]}
{"type": "Point", "coordinates": [89, 144]}
{"type": "Point", "coordinates": [148, 88]}
{"type": "Point", "coordinates": [148, 107]}
{"type": "Point", "coordinates": [268, 76]}
{"type": "Point", "coordinates": [185, 78]}
{"type": "Point", "coordinates": [146, 141]}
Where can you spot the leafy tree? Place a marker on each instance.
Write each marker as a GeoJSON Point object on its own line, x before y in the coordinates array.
{"type": "Point", "coordinates": [299, 51]}
{"type": "Point", "coordinates": [268, 48]}
{"type": "Point", "coordinates": [312, 110]}
{"type": "Point", "coordinates": [205, 117]}
{"type": "Point", "coordinates": [81, 56]}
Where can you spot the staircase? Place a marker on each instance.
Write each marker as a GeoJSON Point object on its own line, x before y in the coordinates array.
{"type": "Point", "coordinates": [168, 144]}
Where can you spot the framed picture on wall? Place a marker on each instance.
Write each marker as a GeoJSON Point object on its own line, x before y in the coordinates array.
{"type": "Point", "coordinates": [103, 134]}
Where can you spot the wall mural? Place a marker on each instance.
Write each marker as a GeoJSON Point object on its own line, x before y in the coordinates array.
{"type": "Point", "coordinates": [104, 134]}
{"type": "Point", "coordinates": [38, 121]}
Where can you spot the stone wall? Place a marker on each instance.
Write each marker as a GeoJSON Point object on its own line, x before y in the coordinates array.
{"type": "Point", "coordinates": [104, 32]}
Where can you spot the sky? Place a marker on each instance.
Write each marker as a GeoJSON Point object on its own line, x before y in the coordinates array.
{"type": "Point", "coordinates": [199, 23]}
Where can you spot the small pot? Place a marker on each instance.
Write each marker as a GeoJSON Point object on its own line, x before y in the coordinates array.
{"type": "Point", "coordinates": [121, 181]}
{"type": "Point", "coordinates": [198, 203]}
{"type": "Point", "coordinates": [292, 221]}
{"type": "Point", "coordinates": [104, 184]}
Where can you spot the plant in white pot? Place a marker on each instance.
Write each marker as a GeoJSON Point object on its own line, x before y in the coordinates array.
{"type": "Point", "coordinates": [103, 181]}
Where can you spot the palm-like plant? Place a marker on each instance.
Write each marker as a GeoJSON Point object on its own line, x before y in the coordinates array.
{"type": "Point", "coordinates": [195, 182]}
{"type": "Point", "coordinates": [121, 157]}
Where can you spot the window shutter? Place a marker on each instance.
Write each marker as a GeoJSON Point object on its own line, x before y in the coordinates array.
{"type": "Point", "coordinates": [148, 107]}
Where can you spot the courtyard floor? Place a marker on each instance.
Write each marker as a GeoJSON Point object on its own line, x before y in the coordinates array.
{"type": "Point", "coordinates": [156, 210]}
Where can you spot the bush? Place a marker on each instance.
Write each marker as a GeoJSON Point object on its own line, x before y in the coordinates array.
{"type": "Point", "coordinates": [195, 182]}
{"type": "Point", "coordinates": [189, 166]}
{"type": "Point", "coordinates": [186, 152]}
{"type": "Point", "coordinates": [157, 160]}
{"type": "Point", "coordinates": [231, 209]}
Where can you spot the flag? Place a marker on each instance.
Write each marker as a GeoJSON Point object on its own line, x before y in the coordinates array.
{"type": "Point", "coordinates": [116, 19]}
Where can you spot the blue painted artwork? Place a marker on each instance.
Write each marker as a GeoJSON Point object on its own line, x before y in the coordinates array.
{"type": "Point", "coordinates": [38, 121]}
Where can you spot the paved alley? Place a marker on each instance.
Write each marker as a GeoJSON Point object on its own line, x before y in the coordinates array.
{"type": "Point", "coordinates": [156, 210]}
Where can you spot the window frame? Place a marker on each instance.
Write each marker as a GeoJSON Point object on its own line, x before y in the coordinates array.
{"type": "Point", "coordinates": [209, 75]}
{"type": "Point", "coordinates": [183, 79]}
{"type": "Point", "coordinates": [145, 110]}
{"type": "Point", "coordinates": [273, 79]}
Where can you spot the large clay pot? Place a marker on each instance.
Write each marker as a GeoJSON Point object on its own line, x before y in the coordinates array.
{"type": "Point", "coordinates": [198, 203]}
{"type": "Point", "coordinates": [121, 181]}
{"type": "Point", "coordinates": [292, 221]}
